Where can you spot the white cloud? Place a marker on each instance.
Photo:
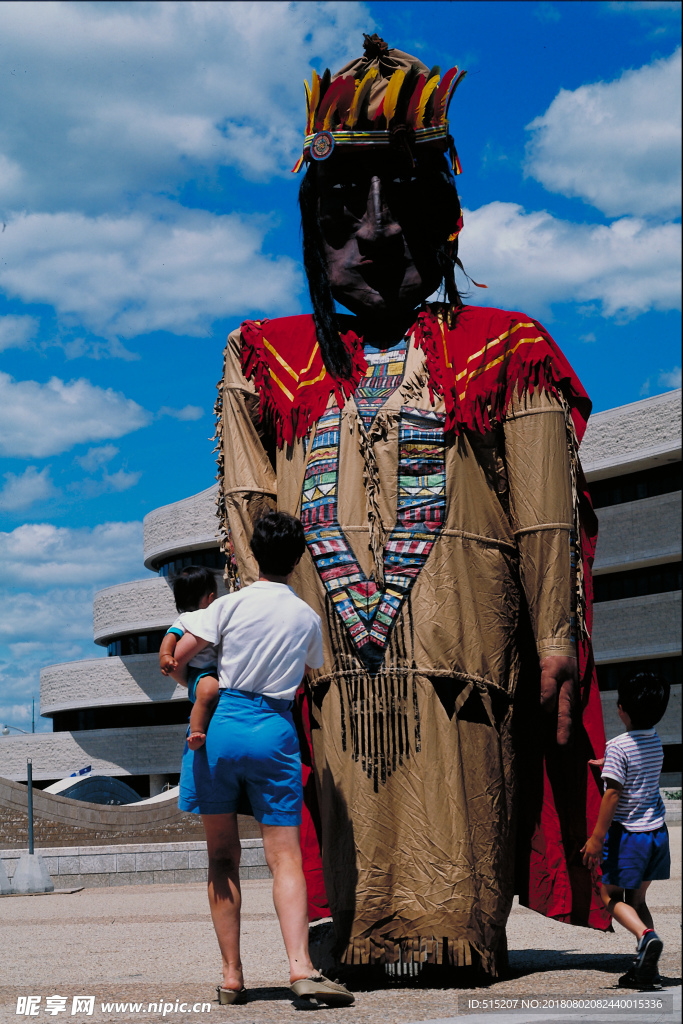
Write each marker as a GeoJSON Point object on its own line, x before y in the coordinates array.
{"type": "Point", "coordinates": [671, 378]}
{"type": "Point", "coordinates": [64, 613]}
{"type": "Point", "coordinates": [44, 419]}
{"type": "Point", "coordinates": [587, 338]}
{"type": "Point", "coordinates": [17, 331]}
{"type": "Point", "coordinates": [532, 260]}
{"type": "Point", "coordinates": [43, 555]}
{"type": "Point", "coordinates": [127, 275]}
{"type": "Point", "coordinates": [645, 6]}
{"type": "Point", "coordinates": [109, 483]}
{"type": "Point", "coordinates": [142, 96]}
{"type": "Point", "coordinates": [21, 491]}
{"type": "Point", "coordinates": [95, 458]}
{"type": "Point", "coordinates": [616, 145]}
{"type": "Point", "coordinates": [188, 412]}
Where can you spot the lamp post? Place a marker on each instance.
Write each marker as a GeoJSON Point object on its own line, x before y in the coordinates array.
{"type": "Point", "coordinates": [6, 729]}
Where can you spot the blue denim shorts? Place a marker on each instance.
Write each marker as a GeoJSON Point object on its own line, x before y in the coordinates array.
{"type": "Point", "coordinates": [630, 858]}
{"type": "Point", "coordinates": [250, 762]}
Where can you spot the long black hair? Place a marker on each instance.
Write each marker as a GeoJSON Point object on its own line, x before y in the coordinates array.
{"type": "Point", "coordinates": [334, 353]}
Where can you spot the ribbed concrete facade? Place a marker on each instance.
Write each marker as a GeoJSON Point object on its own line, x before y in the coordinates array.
{"type": "Point", "coordinates": [633, 535]}
{"type": "Point", "coordinates": [135, 679]}
{"type": "Point", "coordinates": [184, 526]}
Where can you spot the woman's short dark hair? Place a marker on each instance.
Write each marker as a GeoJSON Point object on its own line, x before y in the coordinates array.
{"type": "Point", "coordinates": [334, 353]}
{"type": "Point", "coordinates": [644, 698]}
{"type": "Point", "coordinates": [191, 585]}
{"type": "Point", "coordinates": [278, 542]}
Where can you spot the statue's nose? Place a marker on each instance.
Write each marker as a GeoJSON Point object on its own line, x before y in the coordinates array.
{"type": "Point", "coordinates": [378, 224]}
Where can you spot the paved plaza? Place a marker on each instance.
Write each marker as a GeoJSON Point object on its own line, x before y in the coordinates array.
{"type": "Point", "coordinates": [154, 944]}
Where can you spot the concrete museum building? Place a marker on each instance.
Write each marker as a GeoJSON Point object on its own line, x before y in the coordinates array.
{"type": "Point", "coordinates": [122, 717]}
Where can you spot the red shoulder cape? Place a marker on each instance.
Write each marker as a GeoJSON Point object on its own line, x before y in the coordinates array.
{"type": "Point", "coordinates": [475, 365]}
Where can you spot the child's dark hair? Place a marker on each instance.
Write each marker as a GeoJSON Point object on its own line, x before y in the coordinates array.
{"type": "Point", "coordinates": [191, 585]}
{"type": "Point", "coordinates": [278, 542]}
{"type": "Point", "coordinates": [644, 698]}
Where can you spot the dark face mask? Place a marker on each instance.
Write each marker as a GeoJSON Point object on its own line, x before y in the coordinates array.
{"type": "Point", "coordinates": [383, 221]}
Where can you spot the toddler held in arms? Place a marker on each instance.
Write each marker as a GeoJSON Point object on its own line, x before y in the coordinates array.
{"type": "Point", "coordinates": [194, 589]}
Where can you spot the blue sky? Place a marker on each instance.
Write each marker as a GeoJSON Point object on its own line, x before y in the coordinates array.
{"type": "Point", "coordinates": [146, 208]}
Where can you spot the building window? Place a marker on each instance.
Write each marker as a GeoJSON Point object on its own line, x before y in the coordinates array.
{"type": "Point", "coordinates": [136, 643]}
{"type": "Point", "coordinates": [651, 579]}
{"type": "Point", "coordinates": [212, 558]}
{"type": "Point", "coordinates": [634, 486]}
{"type": "Point", "coordinates": [131, 716]}
{"type": "Point", "coordinates": [610, 676]}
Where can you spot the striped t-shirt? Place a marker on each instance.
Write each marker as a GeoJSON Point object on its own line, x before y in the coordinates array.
{"type": "Point", "coordinates": [635, 760]}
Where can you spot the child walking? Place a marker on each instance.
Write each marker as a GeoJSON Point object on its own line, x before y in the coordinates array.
{"type": "Point", "coordinates": [194, 589]}
{"type": "Point", "coordinates": [630, 839]}
{"type": "Point", "coordinates": [269, 639]}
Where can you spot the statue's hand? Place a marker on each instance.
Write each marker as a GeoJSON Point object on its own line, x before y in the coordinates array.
{"type": "Point", "coordinates": [560, 693]}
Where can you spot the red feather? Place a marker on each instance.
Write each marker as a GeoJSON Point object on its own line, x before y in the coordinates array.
{"type": "Point", "coordinates": [339, 95]}
{"type": "Point", "coordinates": [441, 95]}
{"type": "Point", "coordinates": [411, 113]}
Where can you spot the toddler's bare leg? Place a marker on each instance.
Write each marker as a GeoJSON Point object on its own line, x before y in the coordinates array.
{"type": "Point", "coordinates": [206, 697]}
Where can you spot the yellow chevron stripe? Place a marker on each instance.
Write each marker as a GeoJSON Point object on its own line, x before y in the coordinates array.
{"type": "Point", "coordinates": [490, 344]}
{"type": "Point", "coordinates": [499, 359]}
{"type": "Point", "coordinates": [279, 358]}
{"type": "Point", "coordinates": [306, 383]}
{"type": "Point", "coordinates": [310, 361]}
{"type": "Point", "coordinates": [277, 380]}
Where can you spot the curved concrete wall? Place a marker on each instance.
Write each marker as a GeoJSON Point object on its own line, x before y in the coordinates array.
{"type": "Point", "coordinates": [79, 812]}
{"type": "Point", "coordinates": [134, 607]}
{"type": "Point", "coordinates": [102, 682]}
{"type": "Point", "coordinates": [110, 752]}
{"type": "Point", "coordinates": [185, 525]}
{"type": "Point", "coordinates": [633, 437]}
{"type": "Point", "coordinates": [639, 532]}
{"type": "Point", "coordinates": [137, 607]}
{"type": "Point", "coordinates": [637, 627]}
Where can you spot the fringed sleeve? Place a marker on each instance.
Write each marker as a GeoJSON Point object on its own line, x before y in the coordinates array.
{"type": "Point", "coordinates": [246, 478]}
{"type": "Point", "coordinates": [541, 508]}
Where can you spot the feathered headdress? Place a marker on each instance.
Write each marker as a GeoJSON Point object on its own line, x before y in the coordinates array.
{"type": "Point", "coordinates": [378, 99]}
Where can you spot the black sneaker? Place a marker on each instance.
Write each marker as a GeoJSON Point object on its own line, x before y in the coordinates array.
{"type": "Point", "coordinates": [648, 952]}
{"type": "Point", "coordinates": [629, 980]}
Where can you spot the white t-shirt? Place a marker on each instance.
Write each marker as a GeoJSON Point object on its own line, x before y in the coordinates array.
{"type": "Point", "coordinates": [182, 625]}
{"type": "Point", "coordinates": [267, 636]}
{"type": "Point", "coordinates": [635, 760]}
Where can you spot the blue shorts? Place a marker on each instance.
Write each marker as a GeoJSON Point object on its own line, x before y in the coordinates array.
{"type": "Point", "coordinates": [194, 675]}
{"type": "Point", "coordinates": [252, 752]}
{"type": "Point", "coordinates": [630, 858]}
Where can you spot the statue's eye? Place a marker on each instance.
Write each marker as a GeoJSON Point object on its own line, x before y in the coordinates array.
{"type": "Point", "coordinates": [404, 181]}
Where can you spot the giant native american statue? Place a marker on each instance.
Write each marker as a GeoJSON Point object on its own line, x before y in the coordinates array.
{"type": "Point", "coordinates": [430, 450]}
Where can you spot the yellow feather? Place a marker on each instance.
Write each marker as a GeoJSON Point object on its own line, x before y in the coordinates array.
{"type": "Point", "coordinates": [391, 95]}
{"type": "Point", "coordinates": [424, 99]}
{"type": "Point", "coordinates": [314, 100]}
{"type": "Point", "coordinates": [362, 89]}
{"type": "Point", "coordinates": [308, 103]}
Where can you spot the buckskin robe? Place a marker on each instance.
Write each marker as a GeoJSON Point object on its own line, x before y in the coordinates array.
{"type": "Point", "coordinates": [449, 543]}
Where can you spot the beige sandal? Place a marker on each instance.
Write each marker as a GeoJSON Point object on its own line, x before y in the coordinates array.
{"type": "Point", "coordinates": [323, 990]}
{"type": "Point", "coordinates": [231, 996]}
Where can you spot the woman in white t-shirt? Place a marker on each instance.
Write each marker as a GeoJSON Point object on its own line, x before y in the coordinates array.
{"type": "Point", "coordinates": [268, 639]}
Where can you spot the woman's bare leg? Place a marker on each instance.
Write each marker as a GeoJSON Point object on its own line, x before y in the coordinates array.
{"type": "Point", "coordinates": [283, 856]}
{"type": "Point", "coordinates": [225, 898]}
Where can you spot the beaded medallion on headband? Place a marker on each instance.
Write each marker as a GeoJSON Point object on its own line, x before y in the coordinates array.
{"type": "Point", "coordinates": [382, 98]}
